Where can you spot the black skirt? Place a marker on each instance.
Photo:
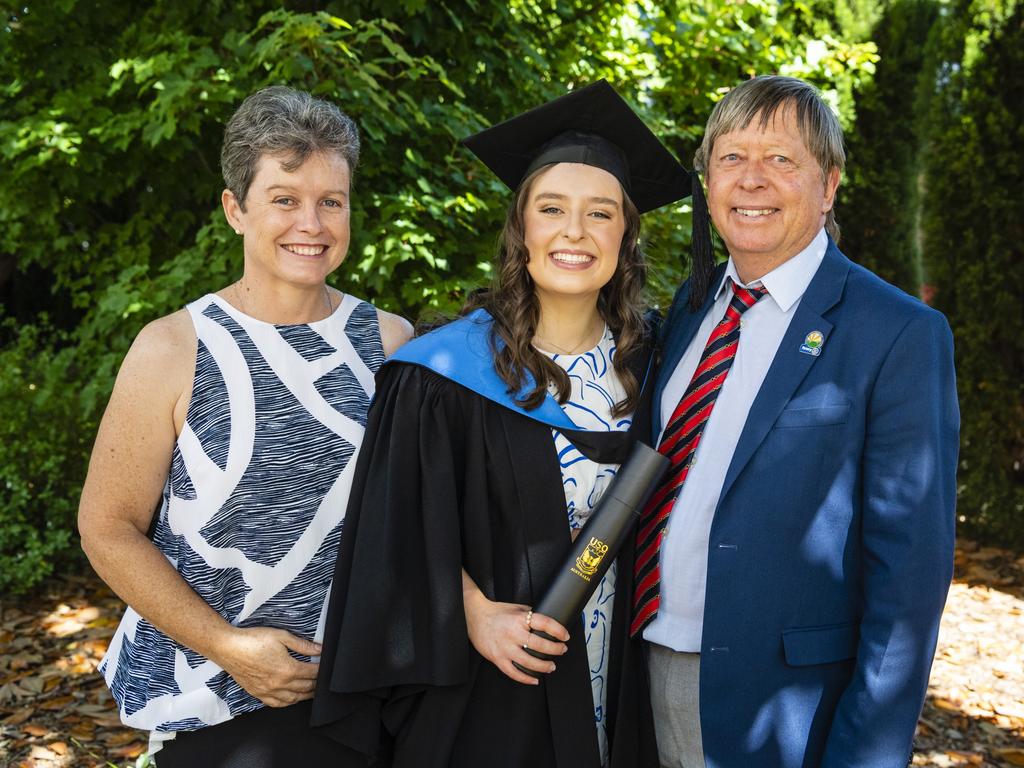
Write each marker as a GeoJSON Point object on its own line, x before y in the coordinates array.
{"type": "Point", "coordinates": [267, 738]}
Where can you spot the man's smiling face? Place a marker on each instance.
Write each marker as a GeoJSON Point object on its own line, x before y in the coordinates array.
{"type": "Point", "coordinates": [766, 193]}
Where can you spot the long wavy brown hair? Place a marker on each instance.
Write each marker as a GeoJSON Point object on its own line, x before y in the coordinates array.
{"type": "Point", "coordinates": [512, 302]}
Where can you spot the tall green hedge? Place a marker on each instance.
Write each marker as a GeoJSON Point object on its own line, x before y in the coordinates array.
{"type": "Point", "coordinates": [879, 200]}
{"type": "Point", "coordinates": [973, 231]}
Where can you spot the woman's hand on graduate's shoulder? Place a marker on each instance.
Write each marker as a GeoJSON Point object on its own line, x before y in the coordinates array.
{"type": "Point", "coordinates": [500, 633]}
{"type": "Point", "coordinates": [258, 660]}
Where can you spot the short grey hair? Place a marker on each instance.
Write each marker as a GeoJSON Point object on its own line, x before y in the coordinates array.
{"type": "Point", "coordinates": [283, 121]}
{"type": "Point", "coordinates": [759, 99]}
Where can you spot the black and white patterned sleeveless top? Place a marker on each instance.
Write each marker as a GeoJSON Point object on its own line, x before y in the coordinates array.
{"type": "Point", "coordinates": [252, 510]}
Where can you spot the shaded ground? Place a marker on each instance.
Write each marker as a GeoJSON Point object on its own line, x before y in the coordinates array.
{"type": "Point", "coordinates": [56, 712]}
{"type": "Point", "coordinates": [55, 709]}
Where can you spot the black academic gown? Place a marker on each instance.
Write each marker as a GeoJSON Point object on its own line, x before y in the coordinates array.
{"type": "Point", "coordinates": [448, 479]}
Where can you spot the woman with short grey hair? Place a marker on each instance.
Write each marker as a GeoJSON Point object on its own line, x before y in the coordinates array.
{"type": "Point", "coordinates": [220, 475]}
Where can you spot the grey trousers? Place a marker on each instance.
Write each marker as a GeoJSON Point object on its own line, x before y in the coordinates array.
{"type": "Point", "coordinates": [675, 691]}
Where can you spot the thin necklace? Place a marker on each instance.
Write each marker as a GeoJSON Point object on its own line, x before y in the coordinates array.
{"type": "Point", "coordinates": [580, 346]}
{"type": "Point", "coordinates": [241, 303]}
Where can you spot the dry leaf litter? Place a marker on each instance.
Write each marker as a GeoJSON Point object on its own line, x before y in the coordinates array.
{"type": "Point", "coordinates": [55, 710]}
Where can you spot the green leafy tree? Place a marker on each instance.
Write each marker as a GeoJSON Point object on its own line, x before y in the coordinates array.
{"type": "Point", "coordinates": [110, 124]}
{"type": "Point", "coordinates": [676, 59]}
{"type": "Point", "coordinates": [112, 197]}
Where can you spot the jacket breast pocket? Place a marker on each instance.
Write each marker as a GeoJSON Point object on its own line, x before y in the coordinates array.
{"type": "Point", "coordinates": [820, 645]}
{"type": "Point", "coordinates": [813, 417]}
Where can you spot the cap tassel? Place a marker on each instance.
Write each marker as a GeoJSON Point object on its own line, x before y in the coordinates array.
{"type": "Point", "coordinates": [702, 257]}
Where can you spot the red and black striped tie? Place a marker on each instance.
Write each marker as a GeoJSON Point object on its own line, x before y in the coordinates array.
{"type": "Point", "coordinates": [679, 442]}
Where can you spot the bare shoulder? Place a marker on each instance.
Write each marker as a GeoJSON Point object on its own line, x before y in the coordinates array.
{"type": "Point", "coordinates": [395, 330]}
{"type": "Point", "coordinates": [168, 341]}
{"type": "Point", "coordinates": [162, 358]}
{"type": "Point", "coordinates": [168, 334]}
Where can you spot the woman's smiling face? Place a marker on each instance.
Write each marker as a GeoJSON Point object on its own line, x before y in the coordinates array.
{"type": "Point", "coordinates": [573, 224]}
{"type": "Point", "coordinates": [295, 223]}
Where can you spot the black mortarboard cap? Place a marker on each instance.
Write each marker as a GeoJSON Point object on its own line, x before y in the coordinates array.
{"type": "Point", "coordinates": [591, 125]}
{"type": "Point", "coordinates": [595, 126]}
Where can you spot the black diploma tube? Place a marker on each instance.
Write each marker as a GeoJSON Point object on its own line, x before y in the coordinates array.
{"type": "Point", "coordinates": [601, 538]}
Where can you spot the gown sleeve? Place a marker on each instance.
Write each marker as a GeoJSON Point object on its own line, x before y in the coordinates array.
{"type": "Point", "coordinates": [395, 616]}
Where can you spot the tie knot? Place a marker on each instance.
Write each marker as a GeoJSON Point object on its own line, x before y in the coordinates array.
{"type": "Point", "coordinates": [745, 298]}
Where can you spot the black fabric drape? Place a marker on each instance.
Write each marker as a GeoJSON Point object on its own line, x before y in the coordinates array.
{"type": "Point", "coordinates": [447, 479]}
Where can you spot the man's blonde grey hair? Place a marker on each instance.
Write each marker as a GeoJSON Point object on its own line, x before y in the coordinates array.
{"type": "Point", "coordinates": [284, 122]}
{"type": "Point", "coordinates": [759, 99]}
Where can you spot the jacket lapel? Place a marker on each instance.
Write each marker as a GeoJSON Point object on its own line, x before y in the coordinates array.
{"type": "Point", "coordinates": [790, 366]}
{"type": "Point", "coordinates": [678, 333]}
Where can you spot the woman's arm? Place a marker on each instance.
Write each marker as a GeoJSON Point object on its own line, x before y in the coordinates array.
{"type": "Point", "coordinates": [127, 472]}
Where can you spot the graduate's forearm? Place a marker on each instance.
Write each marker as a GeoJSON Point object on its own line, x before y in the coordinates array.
{"type": "Point", "coordinates": [470, 591]}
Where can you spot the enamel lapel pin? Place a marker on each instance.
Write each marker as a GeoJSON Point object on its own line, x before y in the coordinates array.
{"type": "Point", "coordinates": [813, 342]}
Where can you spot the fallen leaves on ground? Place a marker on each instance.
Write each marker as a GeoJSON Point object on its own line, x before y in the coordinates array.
{"type": "Point", "coordinates": [974, 715]}
{"type": "Point", "coordinates": [56, 712]}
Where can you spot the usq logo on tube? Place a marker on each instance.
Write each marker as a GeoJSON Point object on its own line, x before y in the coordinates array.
{"type": "Point", "coordinates": [590, 559]}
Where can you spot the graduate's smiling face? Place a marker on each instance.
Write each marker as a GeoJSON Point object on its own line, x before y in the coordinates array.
{"type": "Point", "coordinates": [573, 228]}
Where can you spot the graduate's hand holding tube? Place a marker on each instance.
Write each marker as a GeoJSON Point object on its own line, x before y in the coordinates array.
{"type": "Point", "coordinates": [500, 633]}
{"type": "Point", "coordinates": [523, 643]}
{"type": "Point", "coordinates": [608, 528]}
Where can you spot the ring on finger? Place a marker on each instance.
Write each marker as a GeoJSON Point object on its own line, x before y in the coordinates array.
{"type": "Point", "coordinates": [529, 618]}
{"type": "Point", "coordinates": [526, 645]}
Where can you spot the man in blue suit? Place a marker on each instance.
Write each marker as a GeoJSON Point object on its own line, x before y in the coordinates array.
{"type": "Point", "coordinates": [791, 595]}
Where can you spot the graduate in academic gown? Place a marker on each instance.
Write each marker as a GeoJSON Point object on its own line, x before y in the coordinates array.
{"type": "Point", "coordinates": [488, 442]}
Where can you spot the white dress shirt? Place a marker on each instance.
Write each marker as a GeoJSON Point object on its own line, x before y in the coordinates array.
{"type": "Point", "coordinates": [684, 548]}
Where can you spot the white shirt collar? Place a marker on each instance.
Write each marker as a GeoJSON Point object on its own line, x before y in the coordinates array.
{"type": "Point", "coordinates": [788, 281]}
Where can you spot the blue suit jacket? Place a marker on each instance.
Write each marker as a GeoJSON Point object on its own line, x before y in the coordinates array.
{"type": "Point", "coordinates": [831, 548]}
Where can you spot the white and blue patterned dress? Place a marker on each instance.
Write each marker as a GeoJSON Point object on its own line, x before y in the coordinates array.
{"type": "Point", "coordinates": [595, 390]}
{"type": "Point", "coordinates": [253, 506]}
